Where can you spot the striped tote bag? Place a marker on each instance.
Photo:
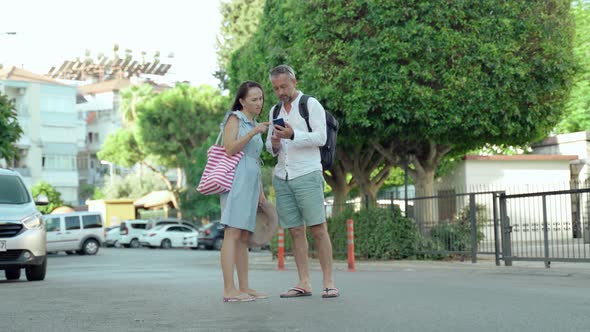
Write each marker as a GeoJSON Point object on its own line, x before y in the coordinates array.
{"type": "Point", "coordinates": [219, 172]}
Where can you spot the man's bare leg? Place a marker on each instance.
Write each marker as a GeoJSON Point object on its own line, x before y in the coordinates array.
{"type": "Point", "coordinates": [300, 251]}
{"type": "Point", "coordinates": [322, 239]}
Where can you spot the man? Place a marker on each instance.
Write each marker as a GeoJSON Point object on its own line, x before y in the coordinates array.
{"type": "Point", "coordinates": [298, 179]}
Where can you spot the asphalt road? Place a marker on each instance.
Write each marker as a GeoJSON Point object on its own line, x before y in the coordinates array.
{"type": "Point", "coordinates": [181, 290]}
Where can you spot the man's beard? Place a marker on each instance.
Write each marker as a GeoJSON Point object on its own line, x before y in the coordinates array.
{"type": "Point", "coordinates": [286, 99]}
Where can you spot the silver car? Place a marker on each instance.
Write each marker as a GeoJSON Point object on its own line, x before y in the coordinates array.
{"type": "Point", "coordinates": [22, 233]}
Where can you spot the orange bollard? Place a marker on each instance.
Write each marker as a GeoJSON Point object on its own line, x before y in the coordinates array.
{"type": "Point", "coordinates": [281, 250]}
{"type": "Point", "coordinates": [350, 228]}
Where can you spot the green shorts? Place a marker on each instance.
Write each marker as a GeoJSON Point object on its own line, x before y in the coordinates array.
{"type": "Point", "coordinates": [300, 201]}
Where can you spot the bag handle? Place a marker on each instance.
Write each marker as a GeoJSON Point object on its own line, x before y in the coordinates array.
{"type": "Point", "coordinates": [219, 137]}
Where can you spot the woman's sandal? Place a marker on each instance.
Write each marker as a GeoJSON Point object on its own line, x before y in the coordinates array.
{"type": "Point", "coordinates": [239, 298]}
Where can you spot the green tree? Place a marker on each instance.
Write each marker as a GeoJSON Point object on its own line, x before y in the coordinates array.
{"type": "Point", "coordinates": [577, 114]}
{"type": "Point", "coordinates": [52, 194]}
{"type": "Point", "coordinates": [240, 19]}
{"type": "Point", "coordinates": [176, 122]}
{"type": "Point", "coordinates": [133, 185]}
{"type": "Point", "coordinates": [10, 131]}
{"type": "Point", "coordinates": [423, 79]}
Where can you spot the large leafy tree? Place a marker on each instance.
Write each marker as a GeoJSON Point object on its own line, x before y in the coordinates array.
{"type": "Point", "coordinates": [175, 123]}
{"type": "Point", "coordinates": [166, 130]}
{"type": "Point", "coordinates": [577, 115]}
{"type": "Point", "coordinates": [240, 19]}
{"type": "Point", "coordinates": [10, 131]}
{"type": "Point", "coordinates": [418, 80]}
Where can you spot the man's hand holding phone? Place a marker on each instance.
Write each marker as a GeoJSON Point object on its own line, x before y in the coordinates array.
{"type": "Point", "coordinates": [279, 122]}
{"type": "Point", "coordinates": [282, 129]}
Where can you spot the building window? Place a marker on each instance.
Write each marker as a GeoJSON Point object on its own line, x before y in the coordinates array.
{"type": "Point", "coordinates": [59, 162]}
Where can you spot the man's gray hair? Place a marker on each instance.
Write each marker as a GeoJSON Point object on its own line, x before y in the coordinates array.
{"type": "Point", "coordinates": [282, 69]}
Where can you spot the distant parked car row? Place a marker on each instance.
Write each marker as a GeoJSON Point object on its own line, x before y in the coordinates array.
{"type": "Point", "coordinates": [83, 233]}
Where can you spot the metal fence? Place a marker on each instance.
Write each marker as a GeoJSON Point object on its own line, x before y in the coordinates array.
{"type": "Point", "coordinates": [459, 224]}
{"type": "Point", "coordinates": [533, 223]}
{"type": "Point", "coordinates": [546, 226]}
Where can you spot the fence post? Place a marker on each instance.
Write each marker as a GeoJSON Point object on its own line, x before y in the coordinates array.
{"type": "Point", "coordinates": [473, 221]}
{"type": "Point", "coordinates": [350, 228]}
{"type": "Point", "coordinates": [281, 251]}
{"type": "Point", "coordinates": [545, 233]}
{"type": "Point", "coordinates": [495, 199]}
{"type": "Point", "coordinates": [506, 230]}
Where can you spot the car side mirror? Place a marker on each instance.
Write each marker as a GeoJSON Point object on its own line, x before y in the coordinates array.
{"type": "Point", "coordinates": [42, 200]}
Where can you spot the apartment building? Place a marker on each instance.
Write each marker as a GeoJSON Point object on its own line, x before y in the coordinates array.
{"type": "Point", "coordinates": [53, 133]}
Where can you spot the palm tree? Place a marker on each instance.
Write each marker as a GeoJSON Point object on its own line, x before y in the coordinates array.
{"type": "Point", "coordinates": [130, 98]}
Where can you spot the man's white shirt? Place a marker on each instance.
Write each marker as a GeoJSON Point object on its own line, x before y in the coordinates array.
{"type": "Point", "coordinates": [301, 155]}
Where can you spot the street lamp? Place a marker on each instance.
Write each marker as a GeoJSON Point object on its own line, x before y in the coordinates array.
{"type": "Point", "coordinates": [104, 162]}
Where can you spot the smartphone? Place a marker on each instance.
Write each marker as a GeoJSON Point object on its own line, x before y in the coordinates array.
{"type": "Point", "coordinates": [279, 122]}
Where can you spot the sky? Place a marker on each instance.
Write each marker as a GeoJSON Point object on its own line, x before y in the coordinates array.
{"type": "Point", "coordinates": [50, 32]}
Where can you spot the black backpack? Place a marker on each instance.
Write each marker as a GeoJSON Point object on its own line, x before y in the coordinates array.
{"type": "Point", "coordinates": [328, 151]}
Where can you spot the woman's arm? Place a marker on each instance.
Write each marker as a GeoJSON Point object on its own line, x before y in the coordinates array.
{"type": "Point", "coordinates": [231, 142]}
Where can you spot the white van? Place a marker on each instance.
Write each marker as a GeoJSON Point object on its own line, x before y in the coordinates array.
{"type": "Point", "coordinates": [76, 232]}
{"type": "Point", "coordinates": [130, 232]}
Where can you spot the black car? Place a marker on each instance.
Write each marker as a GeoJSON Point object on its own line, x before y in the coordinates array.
{"type": "Point", "coordinates": [211, 235]}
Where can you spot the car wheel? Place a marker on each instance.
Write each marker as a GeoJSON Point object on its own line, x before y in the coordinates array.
{"type": "Point", "coordinates": [70, 252]}
{"type": "Point", "coordinates": [116, 244]}
{"type": "Point", "coordinates": [12, 274]}
{"type": "Point", "coordinates": [36, 272]}
{"type": "Point", "coordinates": [166, 244]}
{"type": "Point", "coordinates": [134, 243]}
{"type": "Point", "coordinates": [90, 247]}
{"type": "Point", "coordinates": [218, 243]}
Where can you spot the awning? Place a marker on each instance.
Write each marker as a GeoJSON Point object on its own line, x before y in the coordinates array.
{"type": "Point", "coordinates": [156, 200]}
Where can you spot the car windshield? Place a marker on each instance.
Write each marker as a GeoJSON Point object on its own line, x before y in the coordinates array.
{"type": "Point", "coordinates": [13, 190]}
{"type": "Point", "coordinates": [208, 226]}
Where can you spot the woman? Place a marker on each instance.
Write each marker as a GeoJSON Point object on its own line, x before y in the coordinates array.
{"type": "Point", "coordinates": [240, 204]}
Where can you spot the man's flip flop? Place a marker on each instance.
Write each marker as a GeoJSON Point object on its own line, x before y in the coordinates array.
{"type": "Point", "coordinates": [330, 292]}
{"type": "Point", "coordinates": [296, 292]}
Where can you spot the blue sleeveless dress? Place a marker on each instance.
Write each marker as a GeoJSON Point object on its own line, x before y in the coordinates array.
{"type": "Point", "coordinates": [240, 204]}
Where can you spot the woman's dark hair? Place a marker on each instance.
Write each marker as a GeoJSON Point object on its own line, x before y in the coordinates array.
{"type": "Point", "coordinates": [243, 91]}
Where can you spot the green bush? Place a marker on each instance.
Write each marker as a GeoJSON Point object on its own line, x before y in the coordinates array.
{"type": "Point", "coordinates": [378, 234]}
{"type": "Point", "coordinates": [456, 235]}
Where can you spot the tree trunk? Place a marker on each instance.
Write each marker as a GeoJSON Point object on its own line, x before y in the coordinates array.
{"type": "Point", "coordinates": [425, 162]}
{"type": "Point", "coordinates": [425, 158]}
{"type": "Point", "coordinates": [362, 163]}
{"type": "Point", "coordinates": [425, 213]}
{"type": "Point", "coordinates": [336, 178]}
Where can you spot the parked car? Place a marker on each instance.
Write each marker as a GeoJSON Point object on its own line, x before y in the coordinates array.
{"type": "Point", "coordinates": [211, 235]}
{"type": "Point", "coordinates": [169, 221]}
{"type": "Point", "coordinates": [112, 236]}
{"type": "Point", "coordinates": [166, 236]}
{"type": "Point", "coordinates": [131, 231]}
{"type": "Point", "coordinates": [76, 232]}
{"type": "Point", "coordinates": [22, 235]}
{"type": "Point", "coordinates": [191, 241]}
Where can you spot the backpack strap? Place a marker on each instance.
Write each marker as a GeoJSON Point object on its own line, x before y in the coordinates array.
{"type": "Point", "coordinates": [276, 110]}
{"type": "Point", "coordinates": [303, 111]}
